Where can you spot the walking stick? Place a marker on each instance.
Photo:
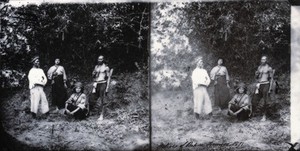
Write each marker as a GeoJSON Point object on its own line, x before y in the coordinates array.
{"type": "Point", "coordinates": [106, 91]}
{"type": "Point", "coordinates": [272, 80]}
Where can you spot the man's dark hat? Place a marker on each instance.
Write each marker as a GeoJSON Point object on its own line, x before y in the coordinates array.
{"type": "Point", "coordinates": [35, 58]}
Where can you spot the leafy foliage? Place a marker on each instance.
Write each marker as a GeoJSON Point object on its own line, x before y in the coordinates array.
{"type": "Point", "coordinates": [77, 33]}
{"type": "Point", "coordinates": [239, 32]}
{"type": "Point", "coordinates": [13, 42]}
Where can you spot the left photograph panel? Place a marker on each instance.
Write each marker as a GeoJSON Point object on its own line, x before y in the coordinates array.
{"type": "Point", "coordinates": [74, 76]}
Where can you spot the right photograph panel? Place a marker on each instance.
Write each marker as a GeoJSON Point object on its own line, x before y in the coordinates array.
{"type": "Point", "coordinates": [220, 75]}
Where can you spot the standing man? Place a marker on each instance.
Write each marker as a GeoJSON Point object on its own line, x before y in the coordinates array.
{"type": "Point", "coordinates": [201, 80]}
{"type": "Point", "coordinates": [264, 77]}
{"type": "Point", "coordinates": [37, 81]}
{"type": "Point", "coordinates": [57, 76]}
{"type": "Point", "coordinates": [101, 77]}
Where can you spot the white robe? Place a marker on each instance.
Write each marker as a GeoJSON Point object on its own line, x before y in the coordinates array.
{"type": "Point", "coordinates": [202, 102]}
{"type": "Point", "coordinates": [36, 76]}
{"type": "Point", "coordinates": [37, 94]}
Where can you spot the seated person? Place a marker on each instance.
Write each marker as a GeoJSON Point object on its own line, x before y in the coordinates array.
{"type": "Point", "coordinates": [77, 104]}
{"type": "Point", "coordinates": [240, 104]}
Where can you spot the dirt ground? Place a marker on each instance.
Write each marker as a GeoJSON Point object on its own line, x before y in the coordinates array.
{"type": "Point", "coordinates": [125, 128]}
{"type": "Point", "coordinates": [174, 126]}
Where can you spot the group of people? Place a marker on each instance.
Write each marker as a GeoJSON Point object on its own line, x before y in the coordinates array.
{"type": "Point", "coordinates": [240, 105]}
{"type": "Point", "coordinates": [77, 104]}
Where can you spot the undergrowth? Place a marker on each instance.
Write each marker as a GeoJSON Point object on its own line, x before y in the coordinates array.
{"type": "Point", "coordinates": [125, 124]}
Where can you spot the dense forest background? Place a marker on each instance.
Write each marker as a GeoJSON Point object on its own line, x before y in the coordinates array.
{"type": "Point", "coordinates": [238, 32]}
{"type": "Point", "coordinates": [77, 34]}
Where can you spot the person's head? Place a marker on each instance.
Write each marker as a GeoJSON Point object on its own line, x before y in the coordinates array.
{"type": "Point", "coordinates": [220, 61]}
{"type": "Point", "coordinates": [36, 61]}
{"type": "Point", "coordinates": [78, 87]}
{"type": "Point", "coordinates": [200, 62]}
{"type": "Point", "coordinates": [57, 61]}
{"type": "Point", "coordinates": [241, 88]}
{"type": "Point", "coordinates": [263, 59]}
{"type": "Point", "coordinates": [100, 59]}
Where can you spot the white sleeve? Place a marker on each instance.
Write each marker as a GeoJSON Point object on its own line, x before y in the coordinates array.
{"type": "Point", "coordinates": [31, 79]}
{"type": "Point", "coordinates": [64, 73]}
{"type": "Point", "coordinates": [30, 76]}
{"type": "Point", "coordinates": [195, 79]}
{"type": "Point", "coordinates": [50, 72]}
{"type": "Point", "coordinates": [226, 73]}
{"type": "Point", "coordinates": [207, 79]}
{"type": "Point", "coordinates": [44, 78]}
{"type": "Point", "coordinates": [212, 73]}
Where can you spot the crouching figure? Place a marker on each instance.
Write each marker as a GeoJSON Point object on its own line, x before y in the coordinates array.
{"type": "Point", "coordinates": [77, 104]}
{"type": "Point", "coordinates": [240, 105]}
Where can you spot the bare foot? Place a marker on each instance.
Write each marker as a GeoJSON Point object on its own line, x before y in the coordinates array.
{"type": "Point", "coordinates": [263, 118]}
{"type": "Point", "coordinates": [100, 118]}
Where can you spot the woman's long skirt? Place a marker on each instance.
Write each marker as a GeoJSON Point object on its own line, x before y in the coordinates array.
{"type": "Point", "coordinates": [59, 92]}
{"type": "Point", "coordinates": [222, 95]}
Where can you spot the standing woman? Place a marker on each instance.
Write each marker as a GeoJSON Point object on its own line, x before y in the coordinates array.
{"type": "Point", "coordinates": [200, 78]}
{"type": "Point", "coordinates": [219, 75]}
{"type": "Point", "coordinates": [58, 78]}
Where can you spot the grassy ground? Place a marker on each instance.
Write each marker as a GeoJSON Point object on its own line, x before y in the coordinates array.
{"type": "Point", "coordinates": [125, 125]}
{"type": "Point", "coordinates": [174, 126]}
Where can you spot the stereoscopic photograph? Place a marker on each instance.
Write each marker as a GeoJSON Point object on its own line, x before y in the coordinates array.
{"type": "Point", "coordinates": [220, 75]}
{"type": "Point", "coordinates": [149, 75]}
{"type": "Point", "coordinates": [75, 76]}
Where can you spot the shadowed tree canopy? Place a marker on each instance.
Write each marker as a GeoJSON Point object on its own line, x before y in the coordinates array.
{"type": "Point", "coordinates": [242, 32]}
{"type": "Point", "coordinates": [239, 32]}
{"type": "Point", "coordinates": [76, 33]}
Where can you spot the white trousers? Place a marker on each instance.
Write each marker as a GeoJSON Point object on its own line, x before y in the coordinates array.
{"type": "Point", "coordinates": [202, 102]}
{"type": "Point", "coordinates": [37, 94]}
